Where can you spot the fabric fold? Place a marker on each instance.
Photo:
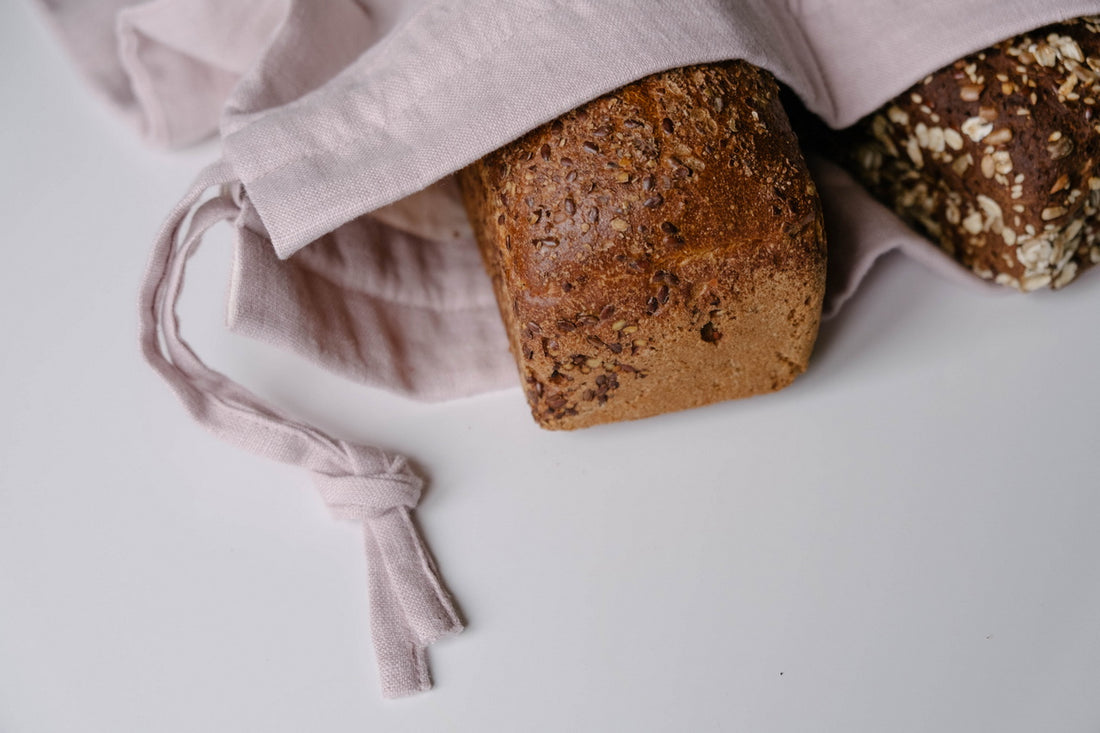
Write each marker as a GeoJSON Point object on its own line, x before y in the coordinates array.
{"type": "Point", "coordinates": [446, 87]}
{"type": "Point", "coordinates": [166, 66]}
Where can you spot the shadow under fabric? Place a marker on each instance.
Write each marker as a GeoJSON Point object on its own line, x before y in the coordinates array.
{"type": "Point", "coordinates": [340, 133]}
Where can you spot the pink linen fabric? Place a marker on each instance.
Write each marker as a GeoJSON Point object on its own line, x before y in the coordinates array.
{"type": "Point", "coordinates": [341, 124]}
{"type": "Point", "coordinates": [166, 66]}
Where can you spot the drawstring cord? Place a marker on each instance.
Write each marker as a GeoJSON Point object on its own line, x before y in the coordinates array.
{"type": "Point", "coordinates": [410, 608]}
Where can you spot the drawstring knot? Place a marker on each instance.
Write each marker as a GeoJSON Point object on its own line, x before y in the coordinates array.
{"type": "Point", "coordinates": [362, 497]}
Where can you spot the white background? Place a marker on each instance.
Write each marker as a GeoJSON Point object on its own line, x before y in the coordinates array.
{"type": "Point", "coordinates": [904, 540]}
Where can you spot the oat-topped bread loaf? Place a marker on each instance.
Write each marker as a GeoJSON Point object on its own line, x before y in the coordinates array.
{"type": "Point", "coordinates": [658, 248]}
{"type": "Point", "coordinates": [997, 157]}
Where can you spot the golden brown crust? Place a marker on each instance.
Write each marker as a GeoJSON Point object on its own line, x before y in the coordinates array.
{"type": "Point", "coordinates": [997, 157]}
{"type": "Point", "coordinates": [658, 248]}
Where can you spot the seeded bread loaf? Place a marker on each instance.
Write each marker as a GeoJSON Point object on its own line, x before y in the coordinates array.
{"type": "Point", "coordinates": [658, 248]}
{"type": "Point", "coordinates": [997, 157]}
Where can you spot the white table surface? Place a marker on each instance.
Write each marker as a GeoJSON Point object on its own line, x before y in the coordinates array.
{"type": "Point", "coordinates": [907, 539]}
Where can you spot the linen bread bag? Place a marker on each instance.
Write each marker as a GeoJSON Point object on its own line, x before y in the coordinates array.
{"type": "Point", "coordinates": [340, 135]}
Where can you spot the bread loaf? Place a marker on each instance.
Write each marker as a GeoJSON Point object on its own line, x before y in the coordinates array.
{"type": "Point", "coordinates": [997, 157]}
{"type": "Point", "coordinates": [658, 248]}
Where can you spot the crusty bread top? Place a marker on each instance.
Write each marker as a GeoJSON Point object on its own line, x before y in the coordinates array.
{"type": "Point", "coordinates": [997, 156]}
{"type": "Point", "coordinates": [679, 165]}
